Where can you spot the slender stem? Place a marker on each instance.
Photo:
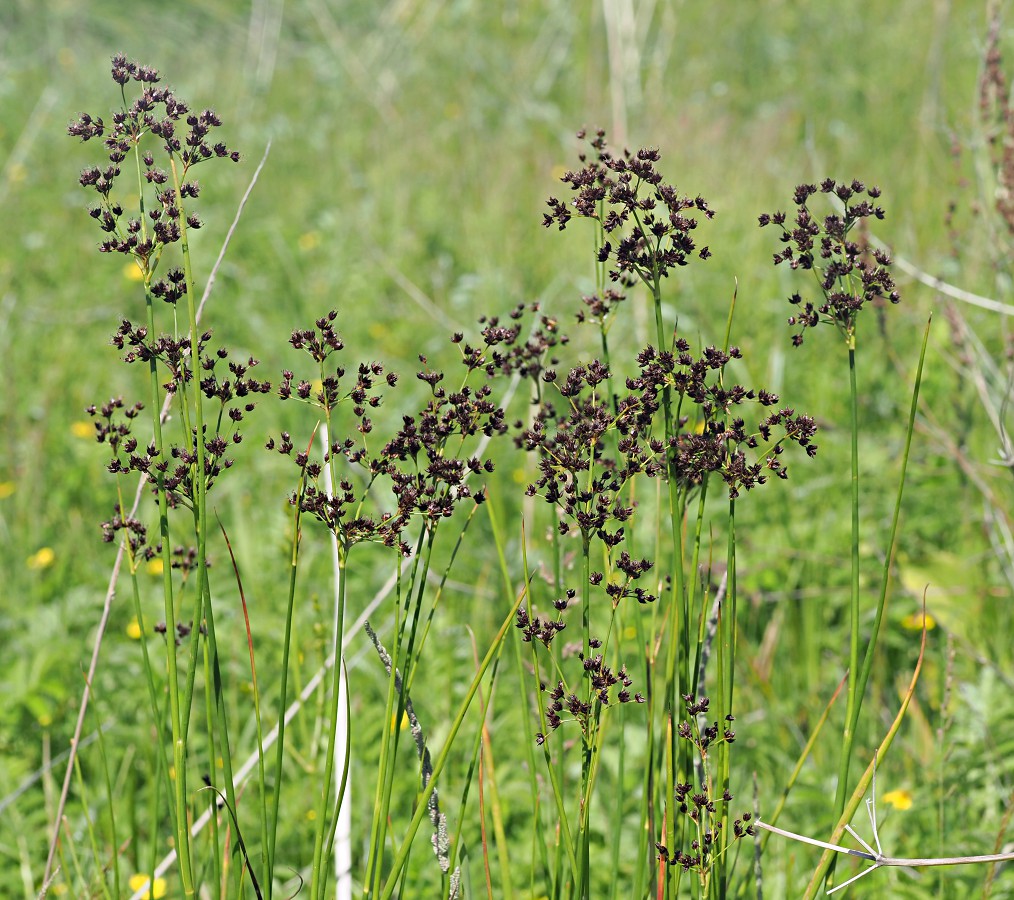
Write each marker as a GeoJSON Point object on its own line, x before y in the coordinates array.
{"type": "Point", "coordinates": [678, 656]}
{"type": "Point", "coordinates": [283, 687]}
{"type": "Point", "coordinates": [853, 700]}
{"type": "Point", "coordinates": [401, 856]}
{"type": "Point", "coordinates": [319, 877]}
{"type": "Point", "coordinates": [178, 773]}
{"type": "Point", "coordinates": [584, 835]}
{"type": "Point", "coordinates": [199, 477]}
{"type": "Point", "coordinates": [871, 644]}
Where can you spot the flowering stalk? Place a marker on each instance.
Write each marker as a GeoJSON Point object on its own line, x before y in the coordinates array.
{"type": "Point", "coordinates": [850, 276]}
{"type": "Point", "coordinates": [144, 238]}
{"type": "Point", "coordinates": [646, 228]}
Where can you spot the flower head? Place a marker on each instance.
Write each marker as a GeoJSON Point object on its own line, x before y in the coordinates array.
{"type": "Point", "coordinates": [647, 225]}
{"type": "Point", "coordinates": [851, 274]}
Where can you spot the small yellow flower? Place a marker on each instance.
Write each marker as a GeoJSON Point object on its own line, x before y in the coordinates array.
{"type": "Point", "coordinates": [914, 622]}
{"type": "Point", "coordinates": [134, 629]}
{"type": "Point", "coordinates": [45, 720]}
{"type": "Point", "coordinates": [154, 567]}
{"type": "Point", "coordinates": [138, 882]}
{"type": "Point", "coordinates": [132, 272]}
{"type": "Point", "coordinates": [42, 558]}
{"type": "Point", "coordinates": [899, 799]}
{"type": "Point", "coordinates": [630, 632]}
{"type": "Point", "coordinates": [6, 489]}
{"type": "Point", "coordinates": [519, 476]}
{"type": "Point", "coordinates": [308, 240]}
{"type": "Point", "coordinates": [82, 429]}
{"type": "Point", "coordinates": [58, 890]}
{"type": "Point", "coordinates": [404, 721]}
{"type": "Point", "coordinates": [311, 814]}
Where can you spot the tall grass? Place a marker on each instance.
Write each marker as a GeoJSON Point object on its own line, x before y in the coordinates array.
{"type": "Point", "coordinates": [737, 638]}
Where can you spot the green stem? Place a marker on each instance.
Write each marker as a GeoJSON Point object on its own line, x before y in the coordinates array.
{"type": "Point", "coordinates": [853, 699]}
{"type": "Point", "coordinates": [421, 811]}
{"type": "Point", "coordinates": [178, 740]}
{"type": "Point", "coordinates": [584, 836]}
{"type": "Point", "coordinates": [283, 689]}
{"type": "Point", "coordinates": [871, 644]}
{"type": "Point", "coordinates": [318, 876]}
{"type": "Point", "coordinates": [199, 478]}
{"type": "Point", "coordinates": [678, 656]}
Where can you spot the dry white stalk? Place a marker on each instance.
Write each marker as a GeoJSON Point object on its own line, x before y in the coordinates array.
{"type": "Point", "coordinates": [877, 857]}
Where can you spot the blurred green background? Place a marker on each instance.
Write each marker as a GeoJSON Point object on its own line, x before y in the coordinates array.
{"type": "Point", "coordinates": [413, 145]}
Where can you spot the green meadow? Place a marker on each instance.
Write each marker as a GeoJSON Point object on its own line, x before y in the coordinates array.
{"type": "Point", "coordinates": [409, 148]}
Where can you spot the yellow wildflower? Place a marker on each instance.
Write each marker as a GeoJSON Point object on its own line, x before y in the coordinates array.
{"type": "Point", "coordinates": [6, 489]}
{"type": "Point", "coordinates": [42, 558]}
{"type": "Point", "coordinates": [899, 799]}
{"type": "Point", "coordinates": [82, 429]}
{"type": "Point", "coordinates": [308, 240]}
{"type": "Point", "coordinates": [914, 622]}
{"type": "Point", "coordinates": [134, 629]}
{"type": "Point", "coordinates": [132, 273]}
{"type": "Point", "coordinates": [154, 567]}
{"type": "Point", "coordinates": [138, 882]}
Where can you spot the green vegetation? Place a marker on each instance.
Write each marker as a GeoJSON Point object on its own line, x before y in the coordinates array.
{"type": "Point", "coordinates": [413, 146]}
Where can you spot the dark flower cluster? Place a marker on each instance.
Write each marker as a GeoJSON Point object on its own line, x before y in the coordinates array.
{"type": "Point", "coordinates": [631, 570]}
{"type": "Point", "coordinates": [602, 680]}
{"type": "Point", "coordinates": [183, 630]}
{"type": "Point", "coordinates": [425, 461]}
{"type": "Point", "coordinates": [577, 474]}
{"type": "Point", "coordinates": [184, 136]}
{"type": "Point", "coordinates": [703, 737]}
{"type": "Point", "coordinates": [503, 352]}
{"type": "Point", "coordinates": [176, 467]}
{"type": "Point", "coordinates": [703, 806]}
{"type": "Point", "coordinates": [849, 278]}
{"type": "Point", "coordinates": [430, 468]}
{"type": "Point", "coordinates": [534, 628]}
{"type": "Point", "coordinates": [340, 510]}
{"type": "Point", "coordinates": [600, 308]}
{"type": "Point", "coordinates": [647, 224]}
{"type": "Point", "coordinates": [135, 531]}
{"type": "Point", "coordinates": [718, 440]}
